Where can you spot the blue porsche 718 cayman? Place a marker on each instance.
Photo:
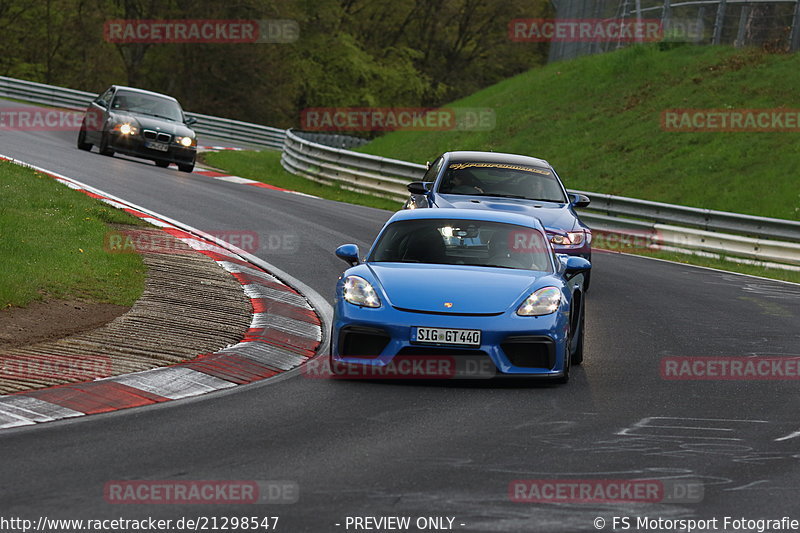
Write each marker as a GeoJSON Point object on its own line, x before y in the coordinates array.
{"type": "Point", "coordinates": [456, 284]}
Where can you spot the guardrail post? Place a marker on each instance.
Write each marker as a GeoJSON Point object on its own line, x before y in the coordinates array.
{"type": "Point", "coordinates": [622, 19]}
{"type": "Point", "coordinates": [701, 23]}
{"type": "Point", "coordinates": [638, 4]}
{"type": "Point", "coordinates": [743, 16]}
{"type": "Point", "coordinates": [666, 14]}
{"type": "Point", "coordinates": [795, 40]}
{"type": "Point", "coordinates": [719, 22]}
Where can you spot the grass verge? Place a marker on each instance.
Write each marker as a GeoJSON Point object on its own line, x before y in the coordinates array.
{"type": "Point", "coordinates": [266, 167]}
{"type": "Point", "coordinates": [597, 119]}
{"type": "Point", "coordinates": [52, 244]}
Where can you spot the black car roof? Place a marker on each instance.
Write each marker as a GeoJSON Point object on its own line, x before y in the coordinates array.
{"type": "Point", "coordinates": [495, 157]}
{"type": "Point", "coordinates": [142, 91]}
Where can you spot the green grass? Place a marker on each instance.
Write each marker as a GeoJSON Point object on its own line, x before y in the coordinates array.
{"type": "Point", "coordinates": [597, 119]}
{"type": "Point", "coordinates": [52, 244]}
{"type": "Point", "coordinates": [266, 167]}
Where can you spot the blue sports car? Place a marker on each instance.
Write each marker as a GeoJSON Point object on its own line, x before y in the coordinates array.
{"type": "Point", "coordinates": [506, 182]}
{"type": "Point", "coordinates": [459, 293]}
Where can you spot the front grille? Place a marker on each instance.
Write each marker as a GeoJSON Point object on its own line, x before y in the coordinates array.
{"type": "Point", "coordinates": [152, 135]}
{"type": "Point", "coordinates": [530, 351]}
{"type": "Point", "coordinates": [445, 312]}
{"type": "Point", "coordinates": [358, 341]}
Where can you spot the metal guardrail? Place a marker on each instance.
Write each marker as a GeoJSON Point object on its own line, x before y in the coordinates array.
{"type": "Point", "coordinates": [39, 93]}
{"type": "Point", "coordinates": [759, 238]}
{"type": "Point", "coordinates": [237, 131]}
{"type": "Point", "coordinates": [379, 176]}
{"type": "Point", "coordinates": [704, 219]}
{"type": "Point", "coordinates": [336, 140]}
{"type": "Point", "coordinates": [223, 128]}
{"type": "Point", "coordinates": [692, 228]}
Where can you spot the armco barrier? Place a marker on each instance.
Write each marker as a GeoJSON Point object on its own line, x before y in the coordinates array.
{"type": "Point", "coordinates": [223, 128]}
{"type": "Point", "coordinates": [366, 173]}
{"type": "Point", "coordinates": [687, 228]}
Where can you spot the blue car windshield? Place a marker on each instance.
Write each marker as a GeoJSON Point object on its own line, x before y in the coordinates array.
{"type": "Point", "coordinates": [147, 104]}
{"type": "Point", "coordinates": [463, 242]}
{"type": "Point", "coordinates": [503, 180]}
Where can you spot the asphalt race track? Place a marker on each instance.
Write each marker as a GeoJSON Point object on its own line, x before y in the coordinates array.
{"type": "Point", "coordinates": [435, 449]}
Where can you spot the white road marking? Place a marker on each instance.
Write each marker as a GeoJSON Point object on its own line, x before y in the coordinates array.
{"type": "Point", "coordinates": [789, 436]}
{"type": "Point", "coordinates": [688, 428]}
{"type": "Point", "coordinates": [235, 179]}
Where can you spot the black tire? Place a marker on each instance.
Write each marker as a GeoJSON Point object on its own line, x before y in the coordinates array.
{"type": "Point", "coordinates": [104, 149]}
{"type": "Point", "coordinates": [577, 355]}
{"type": "Point", "coordinates": [188, 167]}
{"type": "Point", "coordinates": [82, 144]}
{"type": "Point", "coordinates": [162, 164]}
{"type": "Point", "coordinates": [586, 277]}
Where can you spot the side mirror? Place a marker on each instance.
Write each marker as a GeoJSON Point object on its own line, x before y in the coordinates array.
{"type": "Point", "coordinates": [418, 187]}
{"type": "Point", "coordinates": [190, 120]}
{"type": "Point", "coordinates": [100, 103]}
{"type": "Point", "coordinates": [574, 265]}
{"type": "Point", "coordinates": [579, 200]}
{"type": "Point", "coordinates": [348, 253]}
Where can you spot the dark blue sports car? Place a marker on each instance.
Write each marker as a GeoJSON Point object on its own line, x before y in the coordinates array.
{"type": "Point", "coordinates": [459, 292]}
{"type": "Point", "coordinates": [506, 182]}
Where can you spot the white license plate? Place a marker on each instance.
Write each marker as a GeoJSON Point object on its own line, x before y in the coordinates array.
{"type": "Point", "coordinates": [161, 147]}
{"type": "Point", "coordinates": [468, 337]}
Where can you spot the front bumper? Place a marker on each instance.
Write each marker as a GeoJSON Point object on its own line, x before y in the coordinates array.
{"type": "Point", "coordinates": [134, 145]}
{"type": "Point", "coordinates": [511, 345]}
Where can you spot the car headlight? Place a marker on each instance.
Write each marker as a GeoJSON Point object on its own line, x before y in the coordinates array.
{"type": "Point", "coordinates": [541, 302]}
{"type": "Point", "coordinates": [185, 141]}
{"type": "Point", "coordinates": [126, 128]}
{"type": "Point", "coordinates": [572, 238]}
{"type": "Point", "coordinates": [359, 292]}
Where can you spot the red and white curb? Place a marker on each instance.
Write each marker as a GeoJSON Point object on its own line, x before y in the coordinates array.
{"type": "Point", "coordinates": [246, 181]}
{"type": "Point", "coordinates": [285, 331]}
{"type": "Point", "coordinates": [218, 148]}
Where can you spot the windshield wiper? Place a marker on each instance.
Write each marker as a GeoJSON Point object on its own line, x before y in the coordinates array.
{"type": "Point", "coordinates": [485, 265]}
{"type": "Point", "coordinates": [521, 197]}
{"type": "Point", "coordinates": [505, 195]}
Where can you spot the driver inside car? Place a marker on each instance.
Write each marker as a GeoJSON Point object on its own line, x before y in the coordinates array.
{"type": "Point", "coordinates": [461, 182]}
{"type": "Point", "coordinates": [120, 102]}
